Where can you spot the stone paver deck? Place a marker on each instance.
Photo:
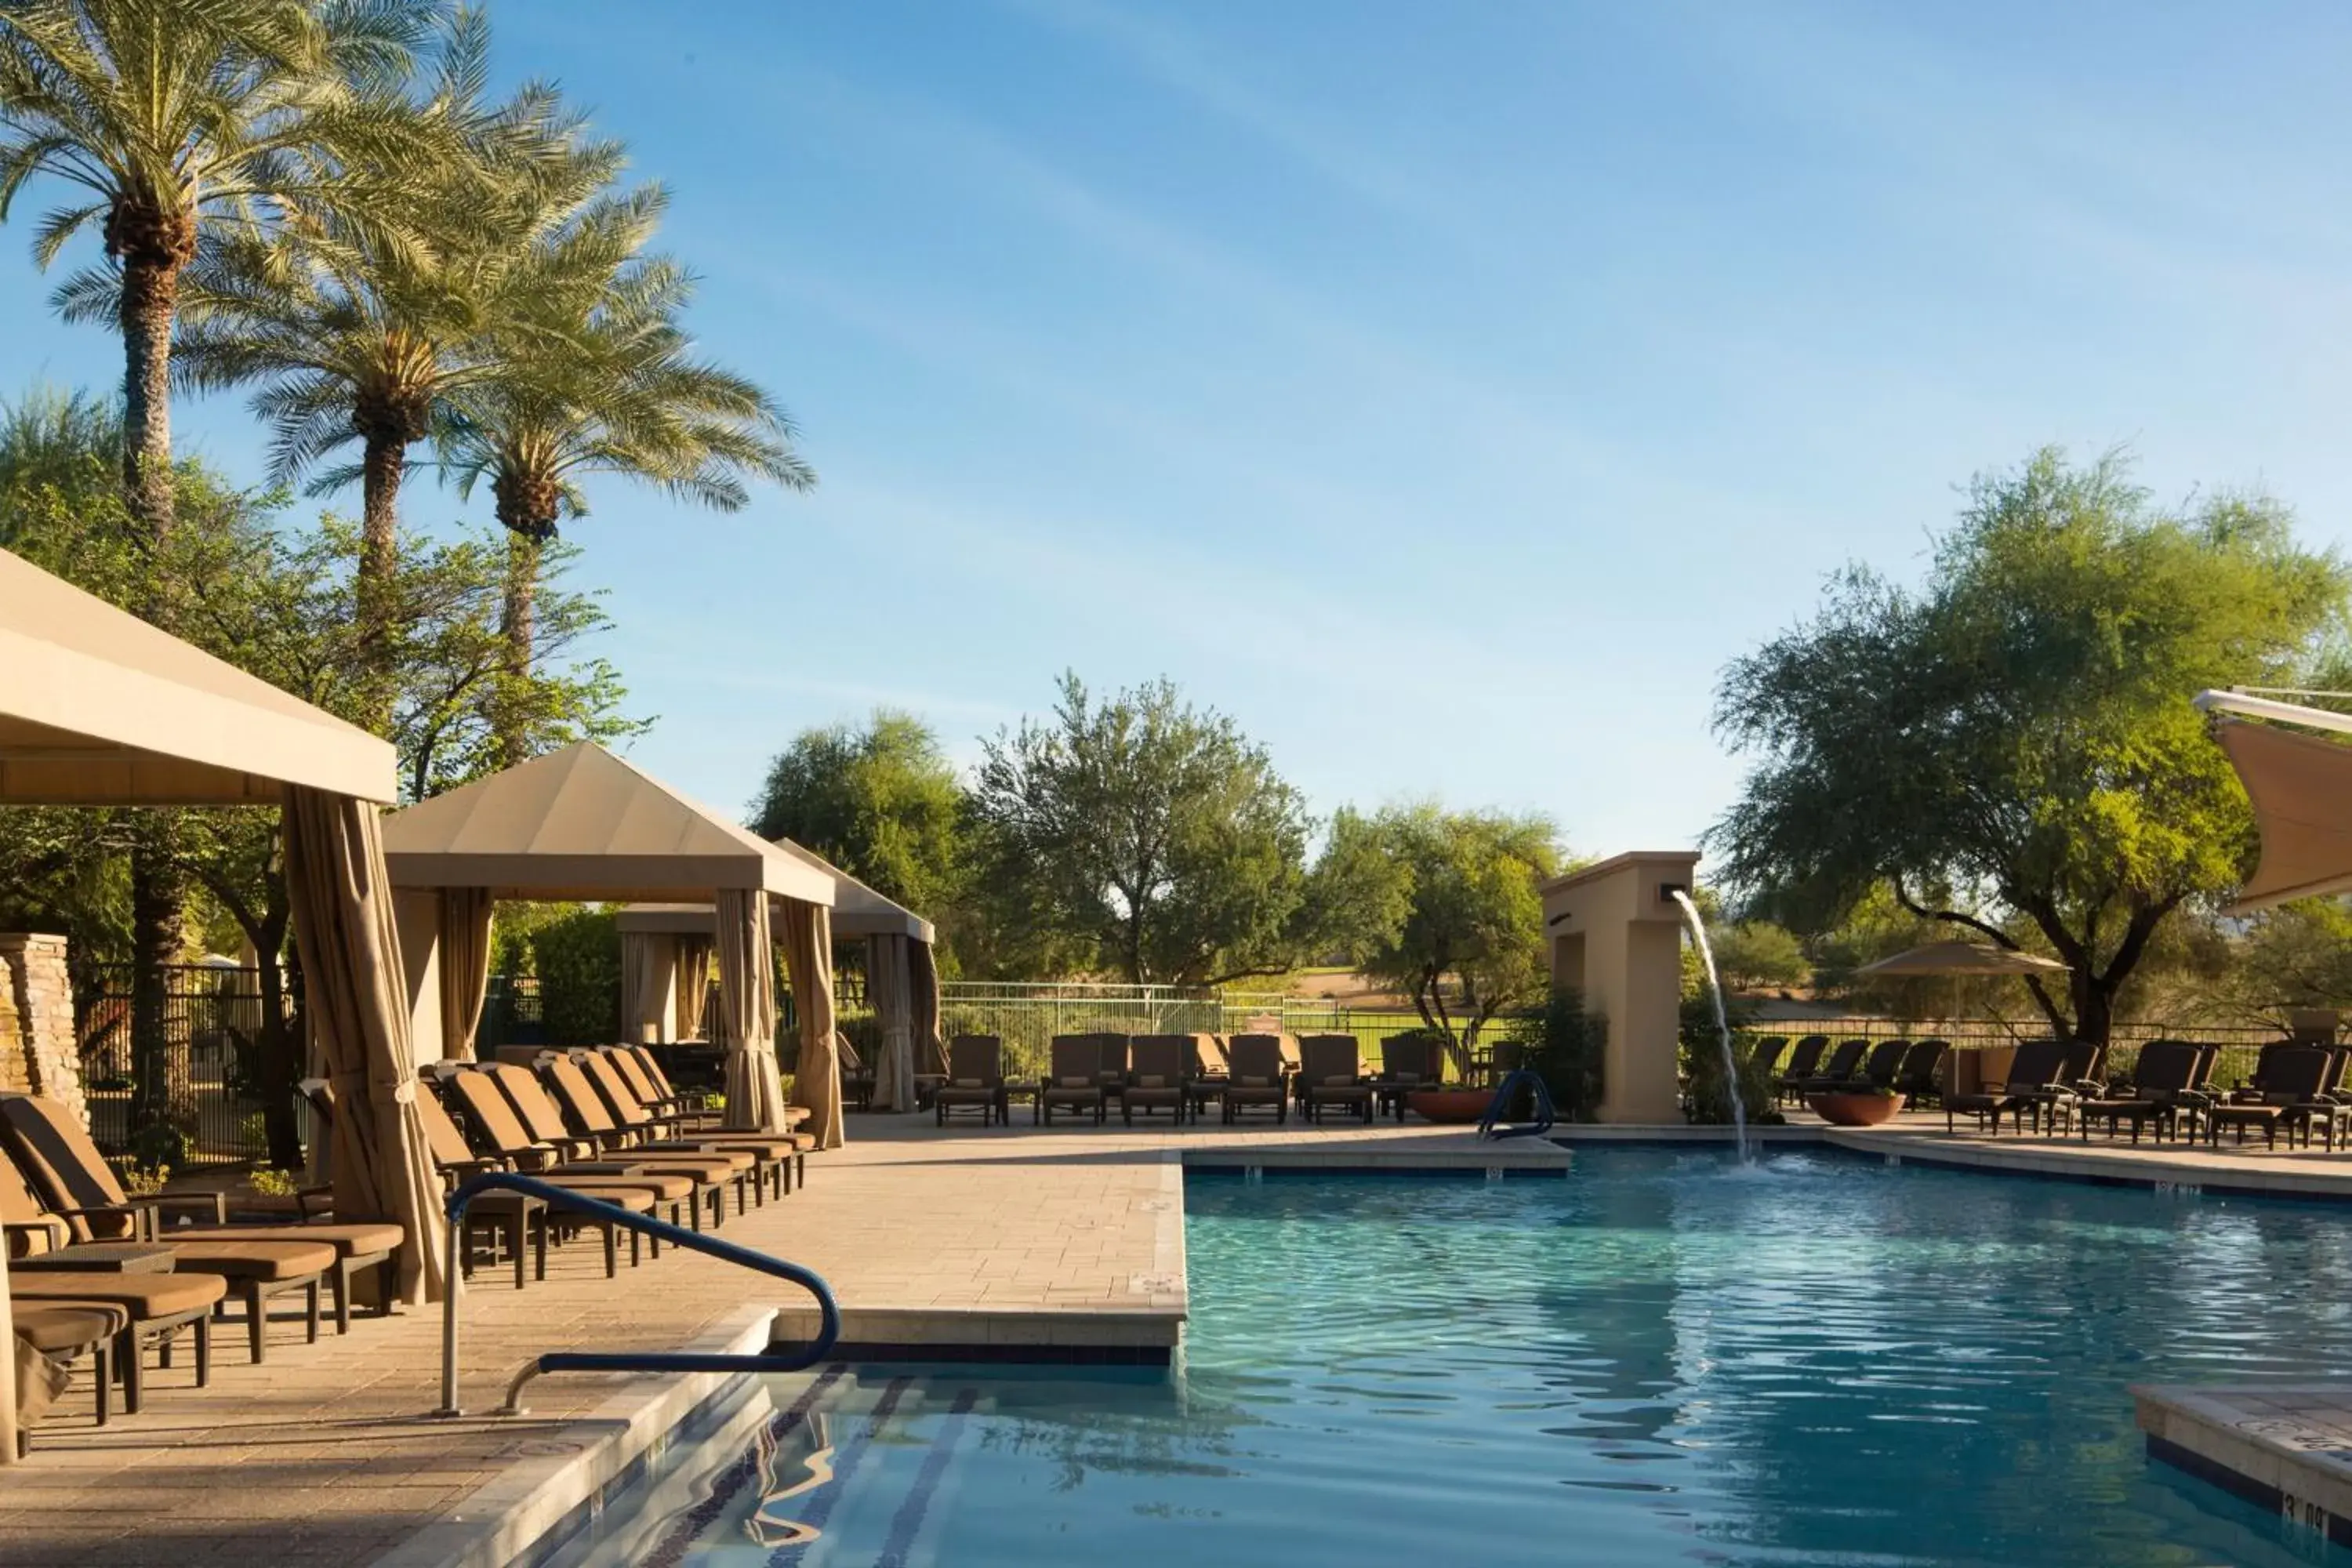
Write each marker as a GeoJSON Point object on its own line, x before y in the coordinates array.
{"type": "Point", "coordinates": [1067, 1236]}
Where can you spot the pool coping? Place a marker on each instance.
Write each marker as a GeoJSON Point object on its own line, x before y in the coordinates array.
{"type": "Point", "coordinates": [2285, 1448]}
{"type": "Point", "coordinates": [537, 1504]}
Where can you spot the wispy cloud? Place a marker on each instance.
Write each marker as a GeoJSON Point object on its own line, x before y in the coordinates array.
{"type": "Point", "coordinates": [1180, 60]}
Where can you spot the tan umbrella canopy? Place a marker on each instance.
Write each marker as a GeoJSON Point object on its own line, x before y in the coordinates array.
{"type": "Point", "coordinates": [2301, 786]}
{"type": "Point", "coordinates": [900, 974]}
{"type": "Point", "coordinates": [1962, 958]}
{"type": "Point", "coordinates": [98, 708]}
{"type": "Point", "coordinates": [582, 823]}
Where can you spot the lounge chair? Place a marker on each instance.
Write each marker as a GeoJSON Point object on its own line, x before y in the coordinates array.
{"type": "Point", "coordinates": [525, 1217]}
{"type": "Point", "coordinates": [1837, 1073]}
{"type": "Point", "coordinates": [2294, 1081]}
{"type": "Point", "coordinates": [1915, 1080]}
{"type": "Point", "coordinates": [63, 1331]}
{"type": "Point", "coordinates": [2038, 1065]}
{"type": "Point", "coordinates": [975, 1080]}
{"type": "Point", "coordinates": [157, 1307]}
{"type": "Point", "coordinates": [1155, 1076]}
{"type": "Point", "coordinates": [585, 1111]}
{"type": "Point", "coordinates": [74, 1182]}
{"type": "Point", "coordinates": [1881, 1066]}
{"type": "Point", "coordinates": [1074, 1080]}
{"type": "Point", "coordinates": [1409, 1063]}
{"type": "Point", "coordinates": [1765, 1058]}
{"type": "Point", "coordinates": [1333, 1069]}
{"type": "Point", "coordinates": [2164, 1090]}
{"type": "Point", "coordinates": [772, 1154]}
{"type": "Point", "coordinates": [1803, 1060]}
{"type": "Point", "coordinates": [1256, 1081]}
{"type": "Point", "coordinates": [255, 1271]}
{"type": "Point", "coordinates": [600, 1146]}
{"type": "Point", "coordinates": [1209, 1073]}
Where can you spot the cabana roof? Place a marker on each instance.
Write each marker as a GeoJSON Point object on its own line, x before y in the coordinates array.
{"type": "Point", "coordinates": [582, 823]}
{"type": "Point", "coordinates": [98, 708]}
{"type": "Point", "coordinates": [858, 910]}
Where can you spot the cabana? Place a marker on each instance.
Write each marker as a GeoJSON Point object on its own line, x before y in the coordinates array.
{"type": "Point", "coordinates": [661, 968]}
{"type": "Point", "coordinates": [582, 823]}
{"type": "Point", "coordinates": [98, 708]}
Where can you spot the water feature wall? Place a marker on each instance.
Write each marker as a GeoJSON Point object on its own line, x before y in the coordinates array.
{"type": "Point", "coordinates": [1614, 933]}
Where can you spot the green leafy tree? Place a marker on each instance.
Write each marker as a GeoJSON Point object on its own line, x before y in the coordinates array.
{"type": "Point", "coordinates": [2008, 748]}
{"type": "Point", "coordinates": [1143, 837]}
{"type": "Point", "coordinates": [1758, 955]}
{"type": "Point", "coordinates": [1470, 944]}
{"type": "Point", "coordinates": [881, 801]}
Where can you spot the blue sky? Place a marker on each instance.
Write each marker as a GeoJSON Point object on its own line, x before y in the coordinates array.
{"type": "Point", "coordinates": [1446, 391]}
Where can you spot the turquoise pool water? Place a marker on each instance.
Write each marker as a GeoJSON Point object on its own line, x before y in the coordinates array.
{"type": "Point", "coordinates": [1658, 1359]}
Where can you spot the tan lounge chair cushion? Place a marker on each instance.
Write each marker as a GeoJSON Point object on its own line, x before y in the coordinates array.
{"type": "Point", "coordinates": [968, 1083]}
{"type": "Point", "coordinates": [1077, 1081]}
{"type": "Point", "coordinates": [267, 1260]}
{"type": "Point", "coordinates": [1254, 1083]}
{"type": "Point", "coordinates": [55, 1326]}
{"type": "Point", "coordinates": [358, 1239]}
{"type": "Point", "coordinates": [143, 1295]}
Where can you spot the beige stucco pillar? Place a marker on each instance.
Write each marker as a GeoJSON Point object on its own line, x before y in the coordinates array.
{"type": "Point", "coordinates": [1616, 935]}
{"type": "Point", "coordinates": [417, 911]}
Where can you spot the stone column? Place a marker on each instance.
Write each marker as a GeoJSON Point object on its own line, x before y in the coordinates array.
{"type": "Point", "coordinates": [1616, 935]}
{"type": "Point", "coordinates": [42, 1045]}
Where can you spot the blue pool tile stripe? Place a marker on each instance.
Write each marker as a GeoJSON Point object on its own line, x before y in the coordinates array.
{"type": "Point", "coordinates": [683, 1535]}
{"type": "Point", "coordinates": [908, 1522]}
{"type": "Point", "coordinates": [845, 1467]}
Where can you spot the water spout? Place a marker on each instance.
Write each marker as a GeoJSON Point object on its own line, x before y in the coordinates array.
{"type": "Point", "coordinates": [1722, 1023]}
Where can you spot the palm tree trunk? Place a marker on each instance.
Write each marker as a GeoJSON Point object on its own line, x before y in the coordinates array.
{"type": "Point", "coordinates": [511, 721]}
{"type": "Point", "coordinates": [150, 293]}
{"type": "Point", "coordinates": [384, 462]}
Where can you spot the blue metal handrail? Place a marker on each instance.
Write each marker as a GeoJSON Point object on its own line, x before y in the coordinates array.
{"type": "Point", "coordinates": [828, 1311]}
{"type": "Point", "coordinates": [1490, 1125]}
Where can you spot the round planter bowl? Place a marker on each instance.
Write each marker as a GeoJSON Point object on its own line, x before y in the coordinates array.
{"type": "Point", "coordinates": [1450, 1105]}
{"type": "Point", "coordinates": [1855, 1109]}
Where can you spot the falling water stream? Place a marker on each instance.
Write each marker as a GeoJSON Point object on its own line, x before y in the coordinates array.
{"type": "Point", "coordinates": [1722, 1023]}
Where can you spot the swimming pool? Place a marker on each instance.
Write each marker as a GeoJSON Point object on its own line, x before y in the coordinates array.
{"type": "Point", "coordinates": [1658, 1359]}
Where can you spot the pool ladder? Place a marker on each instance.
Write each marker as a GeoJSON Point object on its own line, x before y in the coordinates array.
{"type": "Point", "coordinates": [808, 1356]}
{"type": "Point", "coordinates": [1493, 1125]}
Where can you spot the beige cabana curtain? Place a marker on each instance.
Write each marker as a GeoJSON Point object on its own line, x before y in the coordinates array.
{"type": "Point", "coordinates": [747, 1001]}
{"type": "Point", "coordinates": [356, 995]}
{"type": "Point", "coordinates": [693, 984]}
{"type": "Point", "coordinates": [808, 958]}
{"type": "Point", "coordinates": [464, 967]}
{"type": "Point", "coordinates": [647, 970]}
{"type": "Point", "coordinates": [923, 988]}
{"type": "Point", "coordinates": [888, 986]}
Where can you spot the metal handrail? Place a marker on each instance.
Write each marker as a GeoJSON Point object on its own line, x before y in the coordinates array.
{"type": "Point", "coordinates": [828, 1311]}
{"type": "Point", "coordinates": [1498, 1107]}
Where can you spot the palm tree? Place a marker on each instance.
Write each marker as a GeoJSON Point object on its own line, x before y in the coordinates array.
{"type": "Point", "coordinates": [172, 123]}
{"type": "Point", "coordinates": [359, 335]}
{"type": "Point", "coordinates": [175, 121]}
{"type": "Point", "coordinates": [600, 378]}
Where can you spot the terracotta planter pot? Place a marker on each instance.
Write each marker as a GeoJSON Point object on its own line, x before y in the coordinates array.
{"type": "Point", "coordinates": [1449, 1105]}
{"type": "Point", "coordinates": [1855, 1109]}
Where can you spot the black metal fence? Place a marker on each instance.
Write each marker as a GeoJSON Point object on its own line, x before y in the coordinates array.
{"type": "Point", "coordinates": [212, 1027]}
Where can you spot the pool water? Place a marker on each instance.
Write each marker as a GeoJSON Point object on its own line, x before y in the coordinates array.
{"type": "Point", "coordinates": [1660, 1359]}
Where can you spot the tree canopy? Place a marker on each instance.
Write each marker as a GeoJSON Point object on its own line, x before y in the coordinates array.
{"type": "Point", "coordinates": [1140, 836]}
{"type": "Point", "coordinates": [879, 800]}
{"type": "Point", "coordinates": [2008, 747]}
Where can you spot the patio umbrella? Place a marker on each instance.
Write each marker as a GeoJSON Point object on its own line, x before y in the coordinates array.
{"type": "Point", "coordinates": [1962, 958]}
